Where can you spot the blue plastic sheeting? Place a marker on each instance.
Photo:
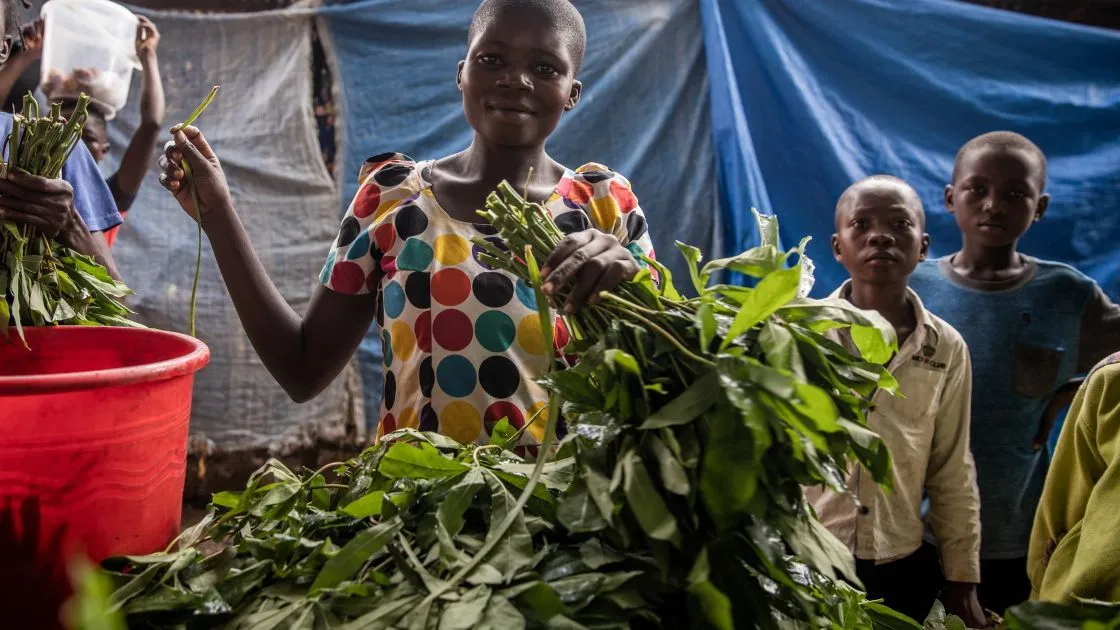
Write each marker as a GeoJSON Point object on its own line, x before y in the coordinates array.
{"type": "Point", "coordinates": [644, 113]}
{"type": "Point", "coordinates": [807, 97]}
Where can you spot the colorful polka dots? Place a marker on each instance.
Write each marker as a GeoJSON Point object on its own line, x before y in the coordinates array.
{"type": "Point", "coordinates": [495, 331]}
{"type": "Point", "coordinates": [530, 336]}
{"type": "Point", "coordinates": [385, 236]}
{"type": "Point", "coordinates": [526, 295]}
{"type": "Point", "coordinates": [499, 376]}
{"type": "Point", "coordinates": [462, 341]}
{"type": "Point", "coordinates": [504, 410]}
{"type": "Point", "coordinates": [418, 289]}
{"type": "Point", "coordinates": [493, 288]}
{"type": "Point", "coordinates": [416, 255]}
{"type": "Point", "coordinates": [393, 297]}
{"type": "Point", "coordinates": [460, 421]}
{"type": "Point", "coordinates": [348, 277]}
{"type": "Point", "coordinates": [450, 287]}
{"type": "Point", "coordinates": [407, 419]}
{"type": "Point", "coordinates": [455, 375]}
{"type": "Point", "coordinates": [404, 342]}
{"type": "Point", "coordinates": [453, 330]}
{"type": "Point", "coordinates": [367, 200]}
{"type": "Point", "coordinates": [451, 249]}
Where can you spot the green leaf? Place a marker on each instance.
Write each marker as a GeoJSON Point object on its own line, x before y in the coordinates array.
{"type": "Point", "coordinates": [713, 603]}
{"type": "Point", "coordinates": [667, 288]}
{"type": "Point", "coordinates": [693, 257]}
{"type": "Point", "coordinates": [578, 511]}
{"type": "Point", "coordinates": [355, 553]}
{"type": "Point", "coordinates": [706, 323]}
{"type": "Point", "coordinates": [781, 350]}
{"type": "Point", "coordinates": [407, 461]}
{"type": "Point", "coordinates": [501, 614]}
{"type": "Point", "coordinates": [673, 475]}
{"type": "Point", "coordinates": [593, 554]}
{"type": "Point", "coordinates": [698, 398]}
{"type": "Point", "coordinates": [366, 506]}
{"type": "Point", "coordinates": [771, 293]}
{"type": "Point", "coordinates": [885, 618]}
{"type": "Point", "coordinates": [645, 502]}
{"type": "Point", "coordinates": [467, 612]}
{"type": "Point", "coordinates": [514, 550]}
{"type": "Point", "coordinates": [729, 475]}
{"type": "Point", "coordinates": [541, 602]}
{"type": "Point", "coordinates": [502, 433]}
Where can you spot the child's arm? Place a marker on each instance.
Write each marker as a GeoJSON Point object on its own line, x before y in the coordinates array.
{"type": "Point", "coordinates": [142, 148]}
{"type": "Point", "coordinates": [953, 493]}
{"type": "Point", "coordinates": [303, 355]}
{"type": "Point", "coordinates": [18, 63]}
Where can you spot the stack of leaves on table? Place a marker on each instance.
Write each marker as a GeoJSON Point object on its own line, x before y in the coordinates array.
{"type": "Point", "coordinates": [42, 282]}
{"type": "Point", "coordinates": [675, 499]}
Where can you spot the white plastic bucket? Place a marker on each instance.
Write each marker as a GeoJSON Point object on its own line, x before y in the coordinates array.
{"type": "Point", "coordinates": [90, 46]}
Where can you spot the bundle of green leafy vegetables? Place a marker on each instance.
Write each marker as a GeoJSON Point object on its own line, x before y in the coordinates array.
{"type": "Point", "coordinates": [1083, 614]}
{"type": "Point", "coordinates": [42, 282]}
{"type": "Point", "coordinates": [675, 499]}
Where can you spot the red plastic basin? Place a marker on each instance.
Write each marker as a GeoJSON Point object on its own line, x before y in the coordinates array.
{"type": "Point", "coordinates": [93, 424]}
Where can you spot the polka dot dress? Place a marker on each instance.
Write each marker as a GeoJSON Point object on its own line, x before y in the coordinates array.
{"type": "Point", "coordinates": [462, 341]}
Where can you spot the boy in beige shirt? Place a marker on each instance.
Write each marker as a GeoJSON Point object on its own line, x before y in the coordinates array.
{"type": "Point", "coordinates": [880, 238]}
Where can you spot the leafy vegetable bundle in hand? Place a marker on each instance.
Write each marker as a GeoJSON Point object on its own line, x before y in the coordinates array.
{"type": "Point", "coordinates": [674, 501]}
{"type": "Point", "coordinates": [41, 281]}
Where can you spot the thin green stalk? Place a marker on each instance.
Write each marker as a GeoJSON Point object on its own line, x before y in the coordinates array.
{"type": "Point", "coordinates": [189, 179]}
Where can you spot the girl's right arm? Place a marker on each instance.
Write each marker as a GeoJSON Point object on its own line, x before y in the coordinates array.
{"type": "Point", "coordinates": [303, 354]}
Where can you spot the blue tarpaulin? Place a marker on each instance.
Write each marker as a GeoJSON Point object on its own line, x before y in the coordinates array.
{"type": "Point", "coordinates": [808, 97]}
{"type": "Point", "coordinates": [644, 113]}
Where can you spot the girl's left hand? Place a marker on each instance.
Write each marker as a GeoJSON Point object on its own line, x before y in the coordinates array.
{"type": "Point", "coordinates": [591, 261]}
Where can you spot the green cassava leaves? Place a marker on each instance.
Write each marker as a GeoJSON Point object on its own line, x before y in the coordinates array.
{"type": "Point", "coordinates": [674, 501]}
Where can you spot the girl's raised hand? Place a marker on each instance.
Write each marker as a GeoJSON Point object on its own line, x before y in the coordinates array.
{"type": "Point", "coordinates": [592, 262]}
{"type": "Point", "coordinates": [206, 172]}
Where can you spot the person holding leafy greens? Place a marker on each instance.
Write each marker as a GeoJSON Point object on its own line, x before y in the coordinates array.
{"type": "Point", "coordinates": [74, 210]}
{"type": "Point", "coordinates": [462, 341]}
{"type": "Point", "coordinates": [880, 238]}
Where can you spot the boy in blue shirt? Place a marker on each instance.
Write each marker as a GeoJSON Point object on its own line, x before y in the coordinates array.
{"type": "Point", "coordinates": [1031, 326]}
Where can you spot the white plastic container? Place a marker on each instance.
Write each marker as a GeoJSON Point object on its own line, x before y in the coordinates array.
{"type": "Point", "coordinates": [90, 46]}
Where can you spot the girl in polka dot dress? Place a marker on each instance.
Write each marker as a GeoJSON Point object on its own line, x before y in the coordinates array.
{"type": "Point", "coordinates": [461, 340]}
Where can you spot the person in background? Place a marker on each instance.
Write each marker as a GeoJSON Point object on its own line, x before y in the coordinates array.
{"type": "Point", "coordinates": [74, 210]}
{"type": "Point", "coordinates": [463, 345]}
{"type": "Point", "coordinates": [26, 50]}
{"type": "Point", "coordinates": [125, 183]}
{"type": "Point", "coordinates": [1075, 548]}
{"type": "Point", "coordinates": [880, 238]}
{"type": "Point", "coordinates": [1031, 326]}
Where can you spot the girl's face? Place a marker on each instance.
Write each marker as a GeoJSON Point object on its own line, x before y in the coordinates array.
{"type": "Point", "coordinates": [517, 80]}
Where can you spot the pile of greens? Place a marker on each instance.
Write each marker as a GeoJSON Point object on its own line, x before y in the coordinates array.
{"type": "Point", "coordinates": [675, 499]}
{"type": "Point", "coordinates": [42, 282]}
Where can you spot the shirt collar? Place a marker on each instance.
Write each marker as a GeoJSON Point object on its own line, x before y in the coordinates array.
{"type": "Point", "coordinates": [925, 333]}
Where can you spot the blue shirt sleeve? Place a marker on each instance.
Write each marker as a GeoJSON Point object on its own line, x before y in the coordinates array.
{"type": "Point", "coordinates": [92, 198]}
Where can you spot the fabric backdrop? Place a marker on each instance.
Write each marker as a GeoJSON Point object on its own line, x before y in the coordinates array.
{"type": "Point", "coordinates": [262, 128]}
{"type": "Point", "coordinates": [807, 97]}
{"type": "Point", "coordinates": [644, 113]}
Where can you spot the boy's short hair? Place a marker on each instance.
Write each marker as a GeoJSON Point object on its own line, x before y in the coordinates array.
{"type": "Point", "coordinates": [1002, 141]}
{"type": "Point", "coordinates": [560, 14]}
{"type": "Point", "coordinates": [850, 193]}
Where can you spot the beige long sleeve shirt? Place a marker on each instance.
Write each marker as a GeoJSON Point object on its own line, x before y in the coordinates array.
{"type": "Point", "coordinates": [927, 432]}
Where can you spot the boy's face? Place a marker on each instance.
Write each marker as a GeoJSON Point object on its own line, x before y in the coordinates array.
{"type": "Point", "coordinates": [879, 234]}
{"type": "Point", "coordinates": [997, 195]}
{"type": "Point", "coordinates": [517, 80]}
{"type": "Point", "coordinates": [96, 136]}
